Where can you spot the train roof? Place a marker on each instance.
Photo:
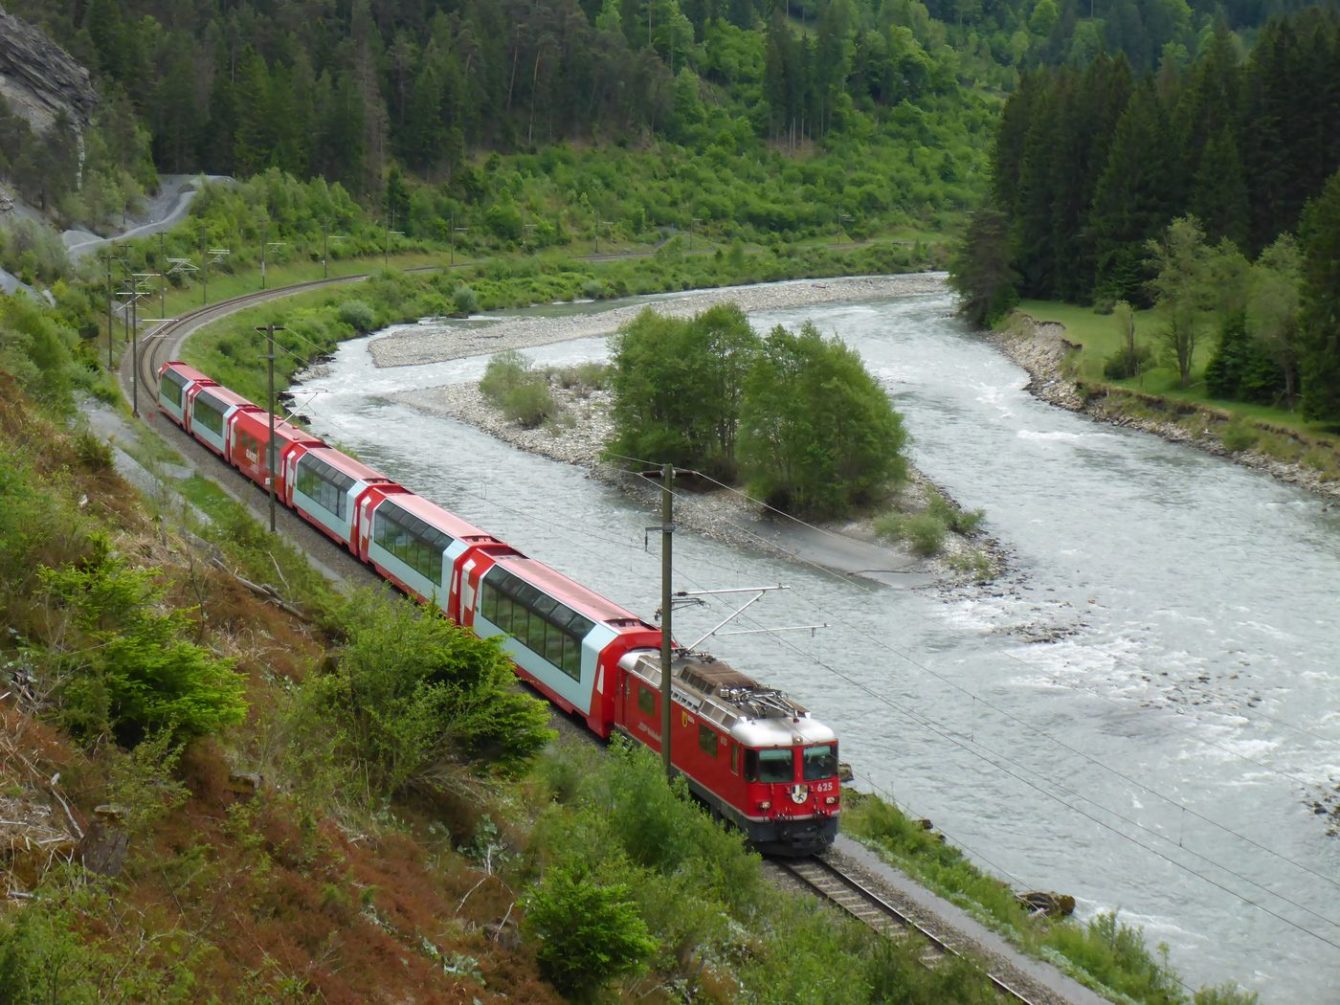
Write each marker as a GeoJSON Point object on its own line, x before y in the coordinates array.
{"type": "Point", "coordinates": [345, 464]}
{"type": "Point", "coordinates": [437, 517]}
{"type": "Point", "coordinates": [754, 714]}
{"type": "Point", "coordinates": [573, 594]}
{"type": "Point", "coordinates": [189, 373]}
{"type": "Point", "coordinates": [283, 429]}
{"type": "Point", "coordinates": [220, 393]}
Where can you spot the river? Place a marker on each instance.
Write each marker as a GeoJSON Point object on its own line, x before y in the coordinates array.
{"type": "Point", "coordinates": [1140, 713]}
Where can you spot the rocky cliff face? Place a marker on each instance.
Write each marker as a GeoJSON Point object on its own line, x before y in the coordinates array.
{"type": "Point", "coordinates": [39, 79]}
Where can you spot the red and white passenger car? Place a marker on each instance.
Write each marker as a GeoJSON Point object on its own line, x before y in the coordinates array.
{"type": "Point", "coordinates": [754, 756]}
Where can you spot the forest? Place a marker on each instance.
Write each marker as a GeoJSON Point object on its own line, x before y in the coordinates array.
{"type": "Point", "coordinates": [1093, 165]}
{"type": "Point", "coordinates": [900, 93]}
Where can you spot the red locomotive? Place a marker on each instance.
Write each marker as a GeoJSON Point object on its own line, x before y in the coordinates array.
{"type": "Point", "coordinates": [753, 755]}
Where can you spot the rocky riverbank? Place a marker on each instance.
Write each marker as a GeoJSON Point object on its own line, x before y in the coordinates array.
{"type": "Point", "coordinates": [1042, 349]}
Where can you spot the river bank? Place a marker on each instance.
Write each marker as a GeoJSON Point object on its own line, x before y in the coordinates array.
{"type": "Point", "coordinates": [1042, 349]}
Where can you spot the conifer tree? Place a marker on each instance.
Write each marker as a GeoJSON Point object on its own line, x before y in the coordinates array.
{"type": "Point", "coordinates": [1320, 242]}
{"type": "Point", "coordinates": [1134, 198]}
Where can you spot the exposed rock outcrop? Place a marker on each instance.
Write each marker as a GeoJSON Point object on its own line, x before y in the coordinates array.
{"type": "Point", "coordinates": [39, 79]}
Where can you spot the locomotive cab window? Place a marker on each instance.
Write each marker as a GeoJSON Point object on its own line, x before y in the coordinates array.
{"type": "Point", "coordinates": [820, 762]}
{"type": "Point", "coordinates": [770, 766]}
{"type": "Point", "coordinates": [646, 700]}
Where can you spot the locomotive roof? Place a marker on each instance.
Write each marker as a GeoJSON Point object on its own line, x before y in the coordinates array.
{"type": "Point", "coordinates": [571, 593]}
{"type": "Point", "coordinates": [754, 714]}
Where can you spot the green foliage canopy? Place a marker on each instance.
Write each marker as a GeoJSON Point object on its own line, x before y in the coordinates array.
{"type": "Point", "coordinates": [1321, 303]}
{"type": "Point", "coordinates": [589, 933]}
{"type": "Point", "coordinates": [679, 387]}
{"type": "Point", "coordinates": [817, 432]}
{"type": "Point", "coordinates": [410, 692]}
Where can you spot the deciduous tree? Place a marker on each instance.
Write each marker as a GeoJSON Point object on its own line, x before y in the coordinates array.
{"type": "Point", "coordinates": [818, 435]}
{"type": "Point", "coordinates": [1184, 293]}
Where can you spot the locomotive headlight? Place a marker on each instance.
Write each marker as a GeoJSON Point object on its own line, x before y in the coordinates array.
{"type": "Point", "coordinates": [831, 800]}
{"type": "Point", "coordinates": [765, 804]}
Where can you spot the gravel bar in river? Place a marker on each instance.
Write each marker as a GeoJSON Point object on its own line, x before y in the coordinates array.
{"type": "Point", "coordinates": [426, 344]}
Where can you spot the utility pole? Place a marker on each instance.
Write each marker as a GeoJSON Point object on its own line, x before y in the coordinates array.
{"type": "Point", "coordinates": [269, 332]}
{"type": "Point", "coordinates": [134, 352]}
{"type": "Point", "coordinates": [204, 271]}
{"type": "Point", "coordinates": [162, 272]}
{"type": "Point", "coordinates": [109, 309]}
{"type": "Point", "coordinates": [667, 536]}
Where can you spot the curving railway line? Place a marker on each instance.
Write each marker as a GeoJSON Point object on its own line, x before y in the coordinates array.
{"type": "Point", "coordinates": [850, 894]}
{"type": "Point", "coordinates": [162, 342]}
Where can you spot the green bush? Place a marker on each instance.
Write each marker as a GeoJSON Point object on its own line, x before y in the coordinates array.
{"type": "Point", "coordinates": [464, 300]}
{"type": "Point", "coordinates": [409, 693]}
{"type": "Point", "coordinates": [122, 666]}
{"type": "Point", "coordinates": [588, 933]}
{"type": "Point", "coordinates": [94, 453]}
{"type": "Point", "coordinates": [818, 436]}
{"type": "Point", "coordinates": [583, 377]}
{"type": "Point", "coordinates": [924, 533]}
{"type": "Point", "coordinates": [530, 403]}
{"type": "Point", "coordinates": [358, 315]}
{"type": "Point", "coordinates": [1126, 363]}
{"type": "Point", "coordinates": [504, 372]}
{"type": "Point", "coordinates": [959, 520]}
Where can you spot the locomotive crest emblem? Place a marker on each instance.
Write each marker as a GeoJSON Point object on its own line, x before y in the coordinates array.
{"type": "Point", "coordinates": [799, 793]}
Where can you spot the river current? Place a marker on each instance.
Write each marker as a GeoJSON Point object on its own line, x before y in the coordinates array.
{"type": "Point", "coordinates": [1140, 714]}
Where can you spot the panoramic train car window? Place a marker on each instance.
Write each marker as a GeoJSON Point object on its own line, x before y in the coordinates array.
{"type": "Point", "coordinates": [707, 741]}
{"type": "Point", "coordinates": [172, 385]}
{"type": "Point", "coordinates": [547, 628]}
{"type": "Point", "coordinates": [325, 486]}
{"type": "Point", "coordinates": [769, 766]}
{"type": "Point", "coordinates": [820, 762]}
{"type": "Point", "coordinates": [208, 412]}
{"type": "Point", "coordinates": [646, 699]}
{"type": "Point", "coordinates": [409, 539]}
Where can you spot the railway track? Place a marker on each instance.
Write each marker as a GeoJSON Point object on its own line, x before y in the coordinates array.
{"type": "Point", "coordinates": [161, 343]}
{"type": "Point", "coordinates": [851, 895]}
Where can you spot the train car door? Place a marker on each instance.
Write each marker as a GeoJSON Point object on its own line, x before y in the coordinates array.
{"type": "Point", "coordinates": [364, 528]}
{"type": "Point", "coordinates": [468, 593]}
